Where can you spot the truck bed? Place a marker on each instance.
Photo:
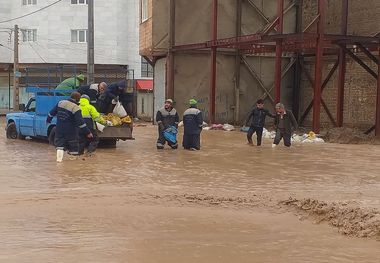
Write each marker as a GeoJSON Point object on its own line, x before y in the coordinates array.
{"type": "Point", "coordinates": [123, 132]}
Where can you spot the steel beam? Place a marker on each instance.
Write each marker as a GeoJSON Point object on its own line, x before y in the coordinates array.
{"type": "Point", "coordinates": [297, 68]}
{"type": "Point", "coordinates": [246, 41]}
{"type": "Point", "coordinates": [342, 66]}
{"type": "Point", "coordinates": [257, 78]}
{"type": "Point", "coordinates": [271, 25]}
{"type": "Point", "coordinates": [312, 23]}
{"type": "Point", "coordinates": [214, 32]}
{"type": "Point", "coordinates": [278, 62]}
{"type": "Point", "coordinates": [367, 52]}
{"type": "Point", "coordinates": [318, 67]}
{"type": "Point", "coordinates": [360, 62]}
{"type": "Point", "coordinates": [262, 15]}
{"type": "Point", "coordinates": [238, 31]}
{"type": "Point", "coordinates": [170, 57]}
{"type": "Point", "coordinates": [377, 125]}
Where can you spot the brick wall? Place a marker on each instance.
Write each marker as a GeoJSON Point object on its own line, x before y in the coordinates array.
{"type": "Point", "coordinates": [146, 28]}
{"type": "Point", "coordinates": [360, 87]}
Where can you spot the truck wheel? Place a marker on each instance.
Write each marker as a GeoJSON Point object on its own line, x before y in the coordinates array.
{"type": "Point", "coordinates": [12, 131]}
{"type": "Point", "coordinates": [52, 136]}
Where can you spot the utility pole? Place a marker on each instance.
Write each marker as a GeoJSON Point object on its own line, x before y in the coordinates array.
{"type": "Point", "coordinates": [16, 98]}
{"type": "Point", "coordinates": [90, 43]}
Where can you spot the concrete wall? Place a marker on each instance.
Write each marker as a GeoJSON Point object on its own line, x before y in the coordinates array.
{"type": "Point", "coordinates": [145, 105]}
{"type": "Point", "coordinates": [360, 87]}
{"type": "Point", "coordinates": [159, 85]}
{"type": "Point", "coordinates": [192, 70]}
{"type": "Point", "coordinates": [116, 32]}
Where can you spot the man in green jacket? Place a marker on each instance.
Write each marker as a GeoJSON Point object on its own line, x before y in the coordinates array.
{"type": "Point", "coordinates": [71, 83]}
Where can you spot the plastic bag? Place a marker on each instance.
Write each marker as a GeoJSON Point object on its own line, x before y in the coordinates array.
{"type": "Point", "coordinates": [228, 127]}
{"type": "Point", "coordinates": [119, 110]}
{"type": "Point", "coordinates": [170, 134]}
{"type": "Point", "coordinates": [100, 127]}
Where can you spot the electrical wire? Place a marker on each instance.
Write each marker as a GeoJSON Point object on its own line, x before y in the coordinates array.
{"type": "Point", "coordinates": [31, 13]}
{"type": "Point", "coordinates": [1, 45]}
{"type": "Point", "coordinates": [97, 53]}
{"type": "Point", "coordinates": [38, 54]}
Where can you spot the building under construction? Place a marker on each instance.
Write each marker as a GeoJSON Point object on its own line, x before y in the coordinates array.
{"type": "Point", "coordinates": [319, 57]}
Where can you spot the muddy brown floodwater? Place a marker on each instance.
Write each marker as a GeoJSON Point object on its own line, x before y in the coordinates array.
{"type": "Point", "coordinates": [227, 203]}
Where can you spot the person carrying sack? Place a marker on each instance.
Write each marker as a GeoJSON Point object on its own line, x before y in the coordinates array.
{"type": "Point", "coordinates": [166, 117]}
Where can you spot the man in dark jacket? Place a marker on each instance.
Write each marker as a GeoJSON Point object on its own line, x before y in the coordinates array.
{"type": "Point", "coordinates": [115, 92]}
{"type": "Point", "coordinates": [69, 121]}
{"type": "Point", "coordinates": [166, 117]}
{"type": "Point", "coordinates": [192, 122]}
{"type": "Point", "coordinates": [257, 118]}
{"type": "Point", "coordinates": [93, 91]}
{"type": "Point", "coordinates": [285, 123]}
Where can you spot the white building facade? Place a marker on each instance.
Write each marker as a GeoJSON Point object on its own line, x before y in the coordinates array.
{"type": "Point", "coordinates": [58, 34]}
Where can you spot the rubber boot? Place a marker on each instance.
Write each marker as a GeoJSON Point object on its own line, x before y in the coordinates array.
{"type": "Point", "coordinates": [60, 153]}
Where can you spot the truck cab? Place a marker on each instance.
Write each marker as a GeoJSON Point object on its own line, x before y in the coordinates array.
{"type": "Point", "coordinates": [31, 121]}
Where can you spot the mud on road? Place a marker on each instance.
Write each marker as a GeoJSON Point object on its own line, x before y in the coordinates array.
{"type": "Point", "coordinates": [227, 203]}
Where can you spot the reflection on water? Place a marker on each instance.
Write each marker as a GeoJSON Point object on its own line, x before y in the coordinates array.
{"type": "Point", "coordinates": [99, 209]}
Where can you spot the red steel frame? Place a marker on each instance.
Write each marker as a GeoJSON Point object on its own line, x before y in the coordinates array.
{"type": "Point", "coordinates": [214, 30]}
{"type": "Point", "coordinates": [315, 44]}
{"type": "Point", "coordinates": [377, 125]}
{"type": "Point", "coordinates": [319, 66]}
{"type": "Point", "coordinates": [342, 67]}
{"type": "Point", "coordinates": [278, 63]}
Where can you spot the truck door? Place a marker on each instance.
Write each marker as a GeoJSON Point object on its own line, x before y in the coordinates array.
{"type": "Point", "coordinates": [27, 119]}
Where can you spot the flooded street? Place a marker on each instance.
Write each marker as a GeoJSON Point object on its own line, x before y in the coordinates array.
{"type": "Point", "coordinates": [227, 203]}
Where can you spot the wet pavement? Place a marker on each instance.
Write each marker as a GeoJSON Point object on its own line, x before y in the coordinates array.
{"type": "Point", "coordinates": [222, 204]}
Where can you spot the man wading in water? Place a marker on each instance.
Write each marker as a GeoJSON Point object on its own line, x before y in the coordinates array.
{"type": "Point", "coordinates": [257, 118]}
{"type": "Point", "coordinates": [285, 124]}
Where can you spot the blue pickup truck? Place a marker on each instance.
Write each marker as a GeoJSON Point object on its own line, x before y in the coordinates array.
{"type": "Point", "coordinates": [31, 121]}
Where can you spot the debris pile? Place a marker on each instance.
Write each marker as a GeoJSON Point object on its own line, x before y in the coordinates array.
{"type": "Point", "coordinates": [350, 220]}
{"type": "Point", "coordinates": [345, 135]}
{"type": "Point", "coordinates": [310, 137]}
{"type": "Point", "coordinates": [221, 127]}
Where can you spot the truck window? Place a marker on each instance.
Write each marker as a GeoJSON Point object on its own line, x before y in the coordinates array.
{"type": "Point", "coordinates": [31, 107]}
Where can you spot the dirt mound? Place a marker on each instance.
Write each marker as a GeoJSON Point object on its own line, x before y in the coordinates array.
{"type": "Point", "coordinates": [350, 220]}
{"type": "Point", "coordinates": [349, 136]}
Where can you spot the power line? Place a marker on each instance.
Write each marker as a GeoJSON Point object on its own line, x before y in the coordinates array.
{"type": "Point", "coordinates": [38, 10]}
{"type": "Point", "coordinates": [1, 45]}
{"type": "Point", "coordinates": [38, 54]}
{"type": "Point", "coordinates": [98, 54]}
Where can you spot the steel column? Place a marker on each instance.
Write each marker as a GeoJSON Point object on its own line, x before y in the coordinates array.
{"type": "Point", "coordinates": [237, 62]}
{"type": "Point", "coordinates": [278, 63]}
{"type": "Point", "coordinates": [297, 67]}
{"type": "Point", "coordinates": [318, 67]}
{"type": "Point", "coordinates": [377, 125]}
{"type": "Point", "coordinates": [342, 67]}
{"type": "Point", "coordinates": [170, 56]}
{"type": "Point", "coordinates": [324, 85]}
{"type": "Point", "coordinates": [214, 32]}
